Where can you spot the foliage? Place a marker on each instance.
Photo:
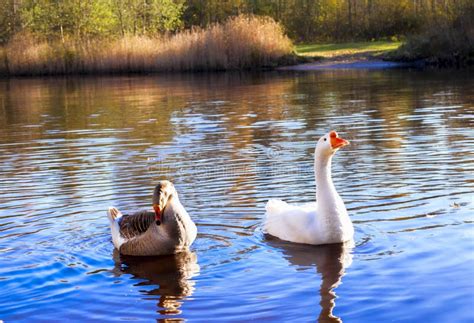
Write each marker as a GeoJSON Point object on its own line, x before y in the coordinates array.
{"type": "Point", "coordinates": [446, 44]}
{"type": "Point", "coordinates": [79, 19]}
{"type": "Point", "coordinates": [7, 20]}
{"type": "Point", "coordinates": [304, 20]}
{"type": "Point", "coordinates": [147, 17]}
{"type": "Point", "coordinates": [79, 25]}
{"type": "Point", "coordinates": [333, 20]}
{"type": "Point", "coordinates": [55, 19]}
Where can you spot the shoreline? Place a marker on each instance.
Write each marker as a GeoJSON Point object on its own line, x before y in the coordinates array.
{"type": "Point", "coordinates": [320, 65]}
{"type": "Point", "coordinates": [345, 65]}
{"type": "Point", "coordinates": [295, 64]}
{"type": "Point", "coordinates": [365, 60]}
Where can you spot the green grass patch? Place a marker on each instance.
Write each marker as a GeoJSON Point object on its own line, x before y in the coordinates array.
{"type": "Point", "coordinates": [332, 50]}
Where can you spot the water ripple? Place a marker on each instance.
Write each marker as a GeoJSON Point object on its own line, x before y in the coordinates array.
{"type": "Point", "coordinates": [230, 143]}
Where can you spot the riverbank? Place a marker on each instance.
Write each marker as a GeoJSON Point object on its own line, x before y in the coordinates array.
{"type": "Point", "coordinates": [448, 49]}
{"type": "Point", "coordinates": [205, 50]}
{"type": "Point", "coordinates": [339, 51]}
{"type": "Point", "coordinates": [353, 55]}
{"type": "Point", "coordinates": [198, 50]}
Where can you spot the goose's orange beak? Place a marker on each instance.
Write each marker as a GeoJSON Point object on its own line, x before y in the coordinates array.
{"type": "Point", "coordinates": [157, 209]}
{"type": "Point", "coordinates": [336, 141]}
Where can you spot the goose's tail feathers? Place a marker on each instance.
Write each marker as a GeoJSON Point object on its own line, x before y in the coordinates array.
{"type": "Point", "coordinates": [113, 214]}
{"type": "Point", "coordinates": [274, 216]}
{"type": "Point", "coordinates": [275, 206]}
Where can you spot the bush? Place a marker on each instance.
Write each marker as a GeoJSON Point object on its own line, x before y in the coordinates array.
{"type": "Point", "coordinates": [242, 42]}
{"type": "Point", "coordinates": [447, 44]}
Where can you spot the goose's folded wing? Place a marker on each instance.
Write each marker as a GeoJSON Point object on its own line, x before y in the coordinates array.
{"type": "Point", "coordinates": [288, 221]}
{"type": "Point", "coordinates": [136, 224]}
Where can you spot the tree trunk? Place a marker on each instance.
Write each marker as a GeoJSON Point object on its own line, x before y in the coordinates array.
{"type": "Point", "coordinates": [62, 32]}
{"type": "Point", "coordinates": [119, 5]}
{"type": "Point", "coordinates": [16, 5]}
{"type": "Point", "coordinates": [349, 13]}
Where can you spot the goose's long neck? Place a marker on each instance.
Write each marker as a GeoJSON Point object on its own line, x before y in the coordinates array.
{"type": "Point", "coordinates": [324, 186]}
{"type": "Point", "coordinates": [332, 219]}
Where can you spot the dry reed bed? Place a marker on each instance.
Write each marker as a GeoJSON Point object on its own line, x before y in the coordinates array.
{"type": "Point", "coordinates": [241, 42]}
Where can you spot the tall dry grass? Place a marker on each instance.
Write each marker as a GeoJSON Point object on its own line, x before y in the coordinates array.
{"type": "Point", "coordinates": [241, 42]}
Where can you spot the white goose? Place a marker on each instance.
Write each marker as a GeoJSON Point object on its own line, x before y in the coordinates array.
{"type": "Point", "coordinates": [323, 222]}
{"type": "Point", "coordinates": [168, 229]}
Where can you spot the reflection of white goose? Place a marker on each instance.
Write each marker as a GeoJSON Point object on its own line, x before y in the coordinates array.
{"type": "Point", "coordinates": [330, 260]}
{"type": "Point", "coordinates": [323, 222]}
{"type": "Point", "coordinates": [166, 230]}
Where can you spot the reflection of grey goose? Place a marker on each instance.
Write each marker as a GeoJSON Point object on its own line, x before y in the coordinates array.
{"type": "Point", "coordinates": [166, 230]}
{"type": "Point", "coordinates": [167, 279]}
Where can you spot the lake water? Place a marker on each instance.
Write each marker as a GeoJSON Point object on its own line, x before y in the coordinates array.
{"type": "Point", "coordinates": [69, 148]}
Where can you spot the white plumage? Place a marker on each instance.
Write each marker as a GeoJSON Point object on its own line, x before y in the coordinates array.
{"type": "Point", "coordinates": [323, 222]}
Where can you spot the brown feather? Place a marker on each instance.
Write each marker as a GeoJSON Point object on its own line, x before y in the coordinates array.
{"type": "Point", "coordinates": [136, 224]}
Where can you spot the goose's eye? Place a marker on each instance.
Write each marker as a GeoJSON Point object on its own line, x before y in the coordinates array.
{"type": "Point", "coordinates": [325, 139]}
